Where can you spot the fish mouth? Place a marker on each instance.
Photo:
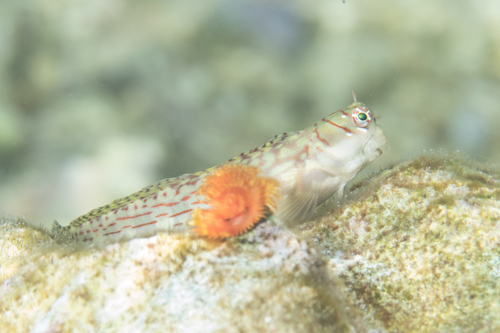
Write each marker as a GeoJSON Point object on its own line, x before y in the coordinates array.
{"type": "Point", "coordinates": [373, 144]}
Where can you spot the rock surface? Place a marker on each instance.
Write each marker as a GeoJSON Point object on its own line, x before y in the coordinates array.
{"type": "Point", "coordinates": [420, 252]}
{"type": "Point", "coordinates": [413, 249]}
{"type": "Point", "coordinates": [268, 280]}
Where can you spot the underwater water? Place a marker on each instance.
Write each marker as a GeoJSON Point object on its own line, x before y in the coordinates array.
{"type": "Point", "coordinates": [98, 99]}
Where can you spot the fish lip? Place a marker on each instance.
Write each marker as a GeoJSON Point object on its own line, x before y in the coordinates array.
{"type": "Point", "coordinates": [377, 153]}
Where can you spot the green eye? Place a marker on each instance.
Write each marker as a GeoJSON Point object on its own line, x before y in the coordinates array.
{"type": "Point", "coordinates": [362, 116]}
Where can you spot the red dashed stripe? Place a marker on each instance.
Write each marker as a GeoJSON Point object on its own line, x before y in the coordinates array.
{"type": "Point", "coordinates": [144, 224]}
{"type": "Point", "coordinates": [112, 233]}
{"type": "Point", "coordinates": [183, 212]}
{"type": "Point", "coordinates": [132, 217]}
{"type": "Point", "coordinates": [341, 127]}
{"type": "Point", "coordinates": [320, 138]}
{"type": "Point", "coordinates": [306, 150]}
{"type": "Point", "coordinates": [166, 204]}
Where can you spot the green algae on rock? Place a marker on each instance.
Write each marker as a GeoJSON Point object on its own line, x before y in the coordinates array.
{"type": "Point", "coordinates": [420, 251]}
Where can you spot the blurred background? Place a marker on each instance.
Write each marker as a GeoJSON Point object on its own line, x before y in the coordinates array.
{"type": "Point", "coordinates": [101, 98]}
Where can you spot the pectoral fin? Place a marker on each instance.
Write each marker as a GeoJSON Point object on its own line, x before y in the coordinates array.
{"type": "Point", "coordinates": [340, 192]}
{"type": "Point", "coordinates": [298, 199]}
{"type": "Point", "coordinates": [297, 205]}
{"type": "Point", "coordinates": [307, 188]}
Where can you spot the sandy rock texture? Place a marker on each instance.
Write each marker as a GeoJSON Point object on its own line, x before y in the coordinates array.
{"type": "Point", "coordinates": [420, 250]}
{"type": "Point", "coordinates": [268, 280]}
{"type": "Point", "coordinates": [415, 248]}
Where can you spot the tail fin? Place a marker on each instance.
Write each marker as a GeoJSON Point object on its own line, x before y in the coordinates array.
{"type": "Point", "coordinates": [59, 232]}
{"type": "Point", "coordinates": [56, 228]}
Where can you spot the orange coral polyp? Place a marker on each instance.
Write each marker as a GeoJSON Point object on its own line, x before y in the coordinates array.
{"type": "Point", "coordinates": [238, 197]}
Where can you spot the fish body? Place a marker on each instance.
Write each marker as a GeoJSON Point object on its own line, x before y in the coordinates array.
{"type": "Point", "coordinates": [309, 165]}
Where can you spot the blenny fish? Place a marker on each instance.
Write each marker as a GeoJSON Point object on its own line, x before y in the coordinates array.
{"type": "Point", "coordinates": [289, 176]}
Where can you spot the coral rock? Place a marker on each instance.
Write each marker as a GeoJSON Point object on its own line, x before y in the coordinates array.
{"type": "Point", "coordinates": [413, 249]}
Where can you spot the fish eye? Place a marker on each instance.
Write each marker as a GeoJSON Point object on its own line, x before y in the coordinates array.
{"type": "Point", "coordinates": [361, 116]}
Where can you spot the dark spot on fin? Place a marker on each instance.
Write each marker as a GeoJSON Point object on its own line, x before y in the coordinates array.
{"type": "Point", "coordinates": [60, 233]}
{"type": "Point", "coordinates": [56, 227]}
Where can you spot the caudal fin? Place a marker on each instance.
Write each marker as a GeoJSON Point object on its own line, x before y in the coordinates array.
{"type": "Point", "coordinates": [57, 228]}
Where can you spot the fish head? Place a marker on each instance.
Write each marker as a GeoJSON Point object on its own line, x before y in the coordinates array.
{"type": "Point", "coordinates": [349, 139]}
